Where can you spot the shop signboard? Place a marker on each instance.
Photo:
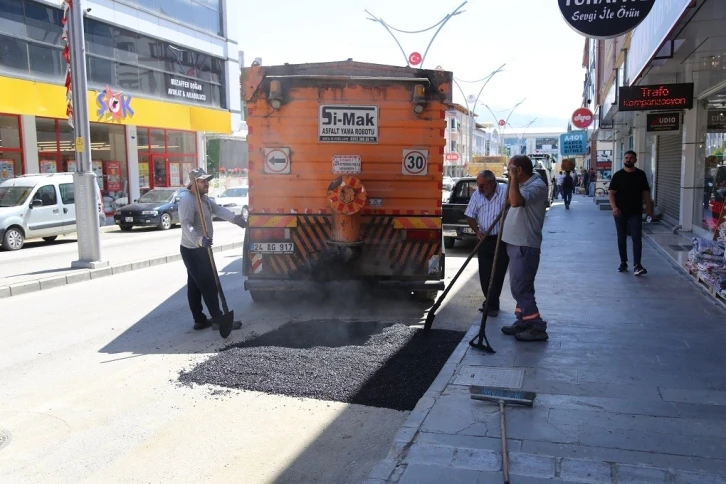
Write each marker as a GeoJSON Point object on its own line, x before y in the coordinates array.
{"type": "Point", "coordinates": [113, 176]}
{"type": "Point", "coordinates": [7, 170]}
{"type": "Point", "coordinates": [573, 143]}
{"type": "Point", "coordinates": [656, 97]}
{"type": "Point", "coordinates": [189, 90]}
{"type": "Point", "coordinates": [663, 122]}
{"type": "Point", "coordinates": [604, 20]}
{"type": "Point", "coordinates": [716, 121]}
{"type": "Point", "coordinates": [648, 37]}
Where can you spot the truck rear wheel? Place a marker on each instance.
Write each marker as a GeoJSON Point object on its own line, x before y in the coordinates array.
{"type": "Point", "coordinates": [449, 242]}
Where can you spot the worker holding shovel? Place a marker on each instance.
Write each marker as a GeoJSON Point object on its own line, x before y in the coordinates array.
{"type": "Point", "coordinates": [196, 243]}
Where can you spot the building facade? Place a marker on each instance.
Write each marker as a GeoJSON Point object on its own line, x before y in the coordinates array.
{"type": "Point", "coordinates": [528, 141]}
{"type": "Point", "coordinates": [645, 79]}
{"type": "Point", "coordinates": [459, 120]}
{"type": "Point", "coordinates": [171, 66]}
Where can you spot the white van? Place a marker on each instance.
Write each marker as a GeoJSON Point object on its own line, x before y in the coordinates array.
{"type": "Point", "coordinates": [39, 206]}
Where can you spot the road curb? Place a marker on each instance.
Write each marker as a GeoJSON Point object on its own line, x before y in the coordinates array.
{"type": "Point", "coordinates": [406, 435]}
{"type": "Point", "coordinates": [27, 287]}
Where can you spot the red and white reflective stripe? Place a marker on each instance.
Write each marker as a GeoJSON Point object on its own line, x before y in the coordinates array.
{"type": "Point", "coordinates": [257, 263]}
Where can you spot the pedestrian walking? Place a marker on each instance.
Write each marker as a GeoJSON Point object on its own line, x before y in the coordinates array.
{"type": "Point", "coordinates": [586, 182]}
{"type": "Point", "coordinates": [628, 192]}
{"type": "Point", "coordinates": [568, 185]}
{"type": "Point", "coordinates": [593, 182]}
{"type": "Point", "coordinates": [555, 189]}
{"type": "Point", "coordinates": [560, 180]}
{"type": "Point", "coordinates": [523, 235]}
{"type": "Point", "coordinates": [201, 283]}
{"type": "Point", "coordinates": [484, 207]}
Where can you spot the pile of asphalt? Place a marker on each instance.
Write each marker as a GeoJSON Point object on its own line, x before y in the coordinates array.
{"type": "Point", "coordinates": [365, 363]}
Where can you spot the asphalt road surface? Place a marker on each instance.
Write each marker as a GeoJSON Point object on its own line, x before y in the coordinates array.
{"type": "Point", "coordinates": [90, 392]}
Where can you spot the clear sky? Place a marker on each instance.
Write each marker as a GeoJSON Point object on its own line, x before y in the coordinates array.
{"type": "Point", "coordinates": [543, 55]}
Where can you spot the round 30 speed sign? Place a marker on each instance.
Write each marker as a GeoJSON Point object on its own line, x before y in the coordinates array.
{"type": "Point", "coordinates": [415, 162]}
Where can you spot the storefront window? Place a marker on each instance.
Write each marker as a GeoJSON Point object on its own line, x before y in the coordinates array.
{"type": "Point", "coordinates": [108, 156]}
{"type": "Point", "coordinates": [11, 147]}
{"type": "Point", "coordinates": [710, 167]}
{"type": "Point", "coordinates": [165, 157]}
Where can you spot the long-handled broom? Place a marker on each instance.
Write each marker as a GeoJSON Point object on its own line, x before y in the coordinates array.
{"type": "Point", "coordinates": [432, 312]}
{"type": "Point", "coordinates": [502, 396]}
{"type": "Point", "coordinates": [478, 341]}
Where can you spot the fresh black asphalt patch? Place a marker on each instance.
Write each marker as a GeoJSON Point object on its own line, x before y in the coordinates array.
{"type": "Point", "coordinates": [365, 363]}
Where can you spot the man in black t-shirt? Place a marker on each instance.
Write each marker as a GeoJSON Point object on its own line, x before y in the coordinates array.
{"type": "Point", "coordinates": [629, 190]}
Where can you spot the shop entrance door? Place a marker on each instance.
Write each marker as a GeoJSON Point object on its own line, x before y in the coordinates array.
{"type": "Point", "coordinates": [161, 171]}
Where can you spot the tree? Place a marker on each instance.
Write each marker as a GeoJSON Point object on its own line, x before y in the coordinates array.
{"type": "Point", "coordinates": [213, 148]}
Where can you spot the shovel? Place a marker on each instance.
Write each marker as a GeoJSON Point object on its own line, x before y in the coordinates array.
{"type": "Point", "coordinates": [227, 318]}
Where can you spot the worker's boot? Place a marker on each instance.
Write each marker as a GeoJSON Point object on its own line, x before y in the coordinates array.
{"type": "Point", "coordinates": [537, 331]}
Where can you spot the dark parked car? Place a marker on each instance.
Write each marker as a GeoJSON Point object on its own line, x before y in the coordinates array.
{"type": "Point", "coordinates": [455, 225]}
{"type": "Point", "coordinates": [156, 208]}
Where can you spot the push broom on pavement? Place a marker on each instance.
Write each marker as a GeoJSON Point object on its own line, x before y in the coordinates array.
{"type": "Point", "coordinates": [502, 396]}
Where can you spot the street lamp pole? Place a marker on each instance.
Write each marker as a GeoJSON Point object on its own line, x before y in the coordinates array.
{"type": "Point", "coordinates": [84, 180]}
{"type": "Point", "coordinates": [506, 121]}
{"type": "Point", "coordinates": [474, 103]}
{"type": "Point", "coordinates": [440, 24]}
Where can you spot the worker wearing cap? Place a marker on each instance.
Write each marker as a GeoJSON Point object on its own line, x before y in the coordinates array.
{"type": "Point", "coordinates": [523, 236]}
{"type": "Point", "coordinates": [201, 282]}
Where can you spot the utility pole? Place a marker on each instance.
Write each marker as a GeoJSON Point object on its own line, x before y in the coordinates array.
{"type": "Point", "coordinates": [84, 180]}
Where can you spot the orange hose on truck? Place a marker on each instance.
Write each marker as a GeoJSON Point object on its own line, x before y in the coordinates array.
{"type": "Point", "coordinates": [345, 176]}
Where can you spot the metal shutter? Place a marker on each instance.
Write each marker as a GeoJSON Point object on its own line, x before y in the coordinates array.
{"type": "Point", "coordinates": [668, 175]}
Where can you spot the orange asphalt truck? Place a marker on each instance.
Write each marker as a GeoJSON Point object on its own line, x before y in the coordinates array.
{"type": "Point", "coordinates": [345, 177]}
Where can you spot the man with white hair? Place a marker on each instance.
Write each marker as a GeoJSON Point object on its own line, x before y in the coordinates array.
{"type": "Point", "coordinates": [484, 206]}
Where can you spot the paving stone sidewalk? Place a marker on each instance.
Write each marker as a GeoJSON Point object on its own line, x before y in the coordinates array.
{"type": "Point", "coordinates": [631, 386]}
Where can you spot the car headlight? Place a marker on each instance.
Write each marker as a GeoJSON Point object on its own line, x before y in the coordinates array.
{"type": "Point", "coordinates": [150, 212]}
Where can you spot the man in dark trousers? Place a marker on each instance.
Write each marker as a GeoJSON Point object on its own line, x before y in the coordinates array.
{"type": "Point", "coordinates": [484, 206]}
{"type": "Point", "coordinates": [628, 192]}
{"type": "Point", "coordinates": [523, 235]}
{"type": "Point", "coordinates": [568, 186]}
{"type": "Point", "coordinates": [201, 282]}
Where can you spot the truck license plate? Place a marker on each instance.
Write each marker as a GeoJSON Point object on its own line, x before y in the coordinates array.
{"type": "Point", "coordinates": [272, 247]}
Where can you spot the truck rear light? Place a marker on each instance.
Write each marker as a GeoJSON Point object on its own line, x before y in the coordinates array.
{"type": "Point", "coordinates": [263, 235]}
{"type": "Point", "coordinates": [422, 235]}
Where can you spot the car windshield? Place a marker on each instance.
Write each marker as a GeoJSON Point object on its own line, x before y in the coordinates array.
{"type": "Point", "coordinates": [157, 196]}
{"type": "Point", "coordinates": [13, 196]}
{"type": "Point", "coordinates": [234, 192]}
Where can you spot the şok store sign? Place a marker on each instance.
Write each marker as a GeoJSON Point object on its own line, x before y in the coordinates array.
{"type": "Point", "coordinates": [573, 143]}
{"type": "Point", "coordinates": [604, 19]}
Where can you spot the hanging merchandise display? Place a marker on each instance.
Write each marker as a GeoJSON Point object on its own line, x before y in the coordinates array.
{"type": "Point", "coordinates": [67, 5]}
